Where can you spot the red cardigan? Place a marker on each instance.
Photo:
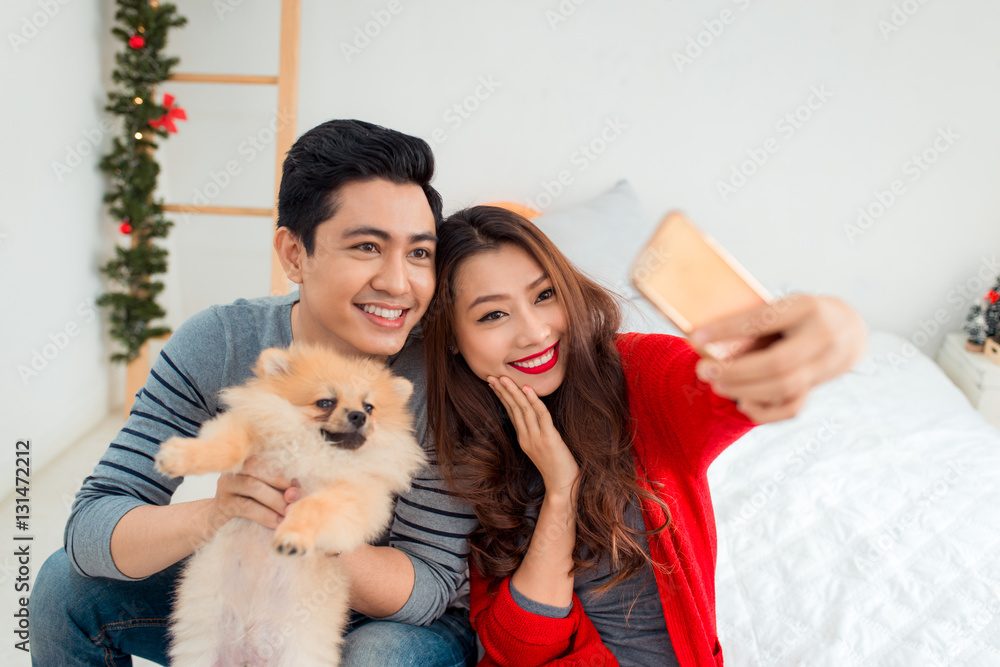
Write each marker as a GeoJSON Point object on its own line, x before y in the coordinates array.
{"type": "Point", "coordinates": [680, 427]}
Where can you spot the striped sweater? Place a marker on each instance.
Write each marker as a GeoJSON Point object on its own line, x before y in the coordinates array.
{"type": "Point", "coordinates": [215, 349]}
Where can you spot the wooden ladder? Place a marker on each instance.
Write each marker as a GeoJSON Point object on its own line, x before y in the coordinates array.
{"type": "Point", "coordinates": [287, 82]}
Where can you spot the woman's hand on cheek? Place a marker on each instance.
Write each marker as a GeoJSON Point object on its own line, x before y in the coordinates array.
{"type": "Point", "coordinates": [537, 436]}
{"type": "Point", "coordinates": [817, 339]}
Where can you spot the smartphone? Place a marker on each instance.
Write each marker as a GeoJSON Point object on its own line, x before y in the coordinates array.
{"type": "Point", "coordinates": [693, 281]}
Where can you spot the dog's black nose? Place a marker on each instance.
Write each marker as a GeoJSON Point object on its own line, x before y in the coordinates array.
{"type": "Point", "coordinates": [357, 418]}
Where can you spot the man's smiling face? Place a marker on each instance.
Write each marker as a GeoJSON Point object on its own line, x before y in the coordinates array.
{"type": "Point", "coordinates": [370, 277]}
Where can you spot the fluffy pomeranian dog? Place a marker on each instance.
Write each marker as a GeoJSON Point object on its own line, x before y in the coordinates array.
{"type": "Point", "coordinates": [340, 426]}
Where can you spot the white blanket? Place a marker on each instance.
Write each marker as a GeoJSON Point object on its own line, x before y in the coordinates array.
{"type": "Point", "coordinates": [866, 531]}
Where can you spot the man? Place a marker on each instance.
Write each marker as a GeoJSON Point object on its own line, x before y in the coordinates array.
{"type": "Point", "coordinates": [356, 231]}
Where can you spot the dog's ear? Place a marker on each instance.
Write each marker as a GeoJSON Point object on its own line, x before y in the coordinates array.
{"type": "Point", "coordinates": [273, 361]}
{"type": "Point", "coordinates": [402, 388]}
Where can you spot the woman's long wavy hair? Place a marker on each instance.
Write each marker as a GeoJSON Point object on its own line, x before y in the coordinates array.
{"type": "Point", "coordinates": [477, 445]}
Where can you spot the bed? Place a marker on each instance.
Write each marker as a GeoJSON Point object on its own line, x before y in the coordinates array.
{"type": "Point", "coordinates": [866, 530]}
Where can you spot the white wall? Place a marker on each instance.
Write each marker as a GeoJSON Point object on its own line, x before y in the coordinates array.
{"type": "Point", "coordinates": [557, 85]}
{"type": "Point", "coordinates": [54, 379]}
{"type": "Point", "coordinates": [558, 82]}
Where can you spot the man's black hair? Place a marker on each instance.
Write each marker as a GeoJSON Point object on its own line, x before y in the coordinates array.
{"type": "Point", "coordinates": [339, 152]}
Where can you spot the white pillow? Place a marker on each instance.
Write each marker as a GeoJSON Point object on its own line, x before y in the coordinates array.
{"type": "Point", "coordinates": [602, 237]}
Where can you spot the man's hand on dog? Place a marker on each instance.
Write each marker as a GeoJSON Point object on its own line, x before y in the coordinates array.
{"type": "Point", "coordinates": [255, 493]}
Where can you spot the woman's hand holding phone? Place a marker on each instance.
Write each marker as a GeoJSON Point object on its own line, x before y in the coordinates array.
{"type": "Point", "coordinates": [764, 354]}
{"type": "Point", "coordinates": [808, 340]}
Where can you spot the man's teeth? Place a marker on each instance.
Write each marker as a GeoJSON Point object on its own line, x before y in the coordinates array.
{"type": "Point", "coordinates": [537, 361]}
{"type": "Point", "coordinates": [383, 312]}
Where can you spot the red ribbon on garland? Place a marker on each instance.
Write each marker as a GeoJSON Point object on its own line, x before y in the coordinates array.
{"type": "Point", "coordinates": [166, 121]}
{"type": "Point", "coordinates": [992, 297]}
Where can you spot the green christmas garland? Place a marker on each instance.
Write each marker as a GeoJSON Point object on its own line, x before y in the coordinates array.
{"type": "Point", "coordinates": [142, 27]}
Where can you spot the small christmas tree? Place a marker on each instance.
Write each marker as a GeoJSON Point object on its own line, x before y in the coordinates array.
{"type": "Point", "coordinates": [991, 310]}
{"type": "Point", "coordinates": [983, 320]}
{"type": "Point", "coordinates": [975, 328]}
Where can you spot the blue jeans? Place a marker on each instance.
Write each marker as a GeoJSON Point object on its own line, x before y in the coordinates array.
{"type": "Point", "coordinates": [96, 621]}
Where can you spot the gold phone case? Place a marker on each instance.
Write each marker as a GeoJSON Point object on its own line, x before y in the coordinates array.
{"type": "Point", "coordinates": [691, 279]}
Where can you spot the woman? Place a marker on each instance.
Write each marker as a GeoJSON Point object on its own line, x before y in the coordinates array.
{"type": "Point", "coordinates": [584, 452]}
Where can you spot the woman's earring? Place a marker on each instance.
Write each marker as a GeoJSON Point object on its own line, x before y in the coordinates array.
{"type": "Point", "coordinates": [451, 348]}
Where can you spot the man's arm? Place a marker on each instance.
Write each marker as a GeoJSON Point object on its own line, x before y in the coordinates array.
{"type": "Point", "coordinates": [121, 525]}
{"type": "Point", "coordinates": [381, 579]}
{"type": "Point", "coordinates": [429, 530]}
{"type": "Point", "coordinates": [150, 538]}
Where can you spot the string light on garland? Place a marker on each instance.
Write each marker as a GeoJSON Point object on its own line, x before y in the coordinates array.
{"type": "Point", "coordinates": [141, 27]}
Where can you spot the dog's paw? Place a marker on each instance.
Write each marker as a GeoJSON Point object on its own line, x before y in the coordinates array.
{"type": "Point", "coordinates": [329, 542]}
{"type": "Point", "coordinates": [172, 460]}
{"type": "Point", "coordinates": [290, 543]}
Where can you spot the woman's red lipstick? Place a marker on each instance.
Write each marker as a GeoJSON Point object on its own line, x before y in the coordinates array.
{"type": "Point", "coordinates": [542, 367]}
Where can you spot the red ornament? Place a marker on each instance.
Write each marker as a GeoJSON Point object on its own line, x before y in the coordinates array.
{"type": "Point", "coordinates": [125, 228]}
{"type": "Point", "coordinates": [991, 296]}
{"type": "Point", "coordinates": [166, 121]}
{"type": "Point", "coordinates": [137, 41]}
